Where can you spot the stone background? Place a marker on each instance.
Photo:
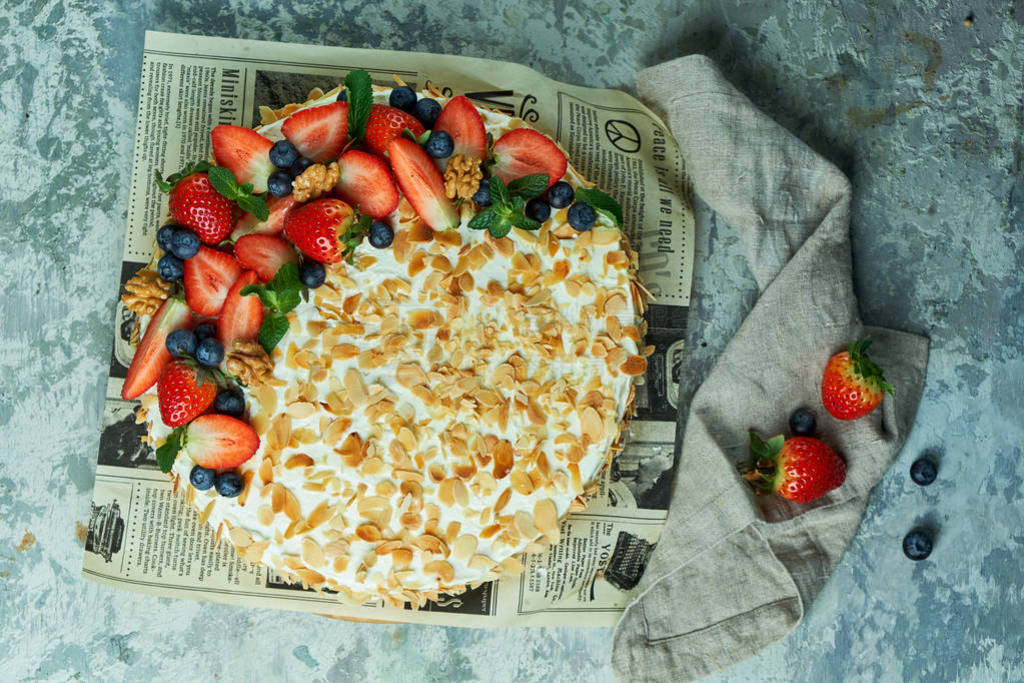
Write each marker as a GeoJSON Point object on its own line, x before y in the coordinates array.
{"type": "Point", "coordinates": [924, 113]}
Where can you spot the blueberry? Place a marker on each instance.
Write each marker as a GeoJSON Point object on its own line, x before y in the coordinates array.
{"type": "Point", "coordinates": [312, 274]}
{"type": "Point", "coordinates": [560, 195]}
{"type": "Point", "coordinates": [283, 154]}
{"type": "Point", "coordinates": [165, 235]}
{"type": "Point", "coordinates": [923, 471]}
{"type": "Point", "coordinates": [181, 343]}
{"type": "Point", "coordinates": [538, 209]}
{"type": "Point", "coordinates": [439, 144]}
{"type": "Point", "coordinates": [427, 111]}
{"type": "Point", "coordinates": [917, 544]}
{"type": "Point", "coordinates": [201, 478]}
{"type": "Point", "coordinates": [300, 165]}
{"type": "Point", "coordinates": [403, 97]}
{"type": "Point", "coordinates": [209, 352]}
{"type": "Point", "coordinates": [230, 402]}
{"type": "Point", "coordinates": [381, 235]}
{"type": "Point", "coordinates": [279, 184]}
{"type": "Point", "coordinates": [204, 330]}
{"type": "Point", "coordinates": [170, 267]}
{"type": "Point", "coordinates": [581, 217]}
{"type": "Point", "coordinates": [185, 243]}
{"type": "Point", "coordinates": [342, 96]}
{"type": "Point", "coordinates": [229, 484]}
{"type": "Point", "coordinates": [802, 422]}
{"type": "Point", "coordinates": [482, 197]}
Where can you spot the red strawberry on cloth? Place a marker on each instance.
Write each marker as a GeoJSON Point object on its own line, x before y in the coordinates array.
{"type": "Point", "coordinates": [801, 469]}
{"type": "Point", "coordinates": [387, 123]}
{"type": "Point", "coordinates": [852, 385]}
{"type": "Point", "coordinates": [523, 152]}
{"type": "Point", "coordinates": [184, 391]}
{"type": "Point", "coordinates": [319, 133]}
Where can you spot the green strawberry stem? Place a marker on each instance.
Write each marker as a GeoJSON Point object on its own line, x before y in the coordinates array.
{"type": "Point", "coordinates": [760, 471]}
{"type": "Point", "coordinates": [865, 367]}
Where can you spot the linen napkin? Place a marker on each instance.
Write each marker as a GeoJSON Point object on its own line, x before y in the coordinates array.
{"type": "Point", "coordinates": [734, 572]}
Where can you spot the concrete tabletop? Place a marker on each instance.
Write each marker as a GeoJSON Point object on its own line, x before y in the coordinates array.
{"type": "Point", "coordinates": [921, 108]}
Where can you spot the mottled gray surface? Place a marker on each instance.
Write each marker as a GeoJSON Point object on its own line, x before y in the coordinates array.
{"type": "Point", "coordinates": [923, 113]}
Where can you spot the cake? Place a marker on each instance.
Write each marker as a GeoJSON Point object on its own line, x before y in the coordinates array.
{"type": "Point", "coordinates": [447, 395]}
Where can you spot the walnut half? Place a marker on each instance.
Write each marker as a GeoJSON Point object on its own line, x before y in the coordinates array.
{"type": "Point", "coordinates": [250, 363]}
{"type": "Point", "coordinates": [462, 176]}
{"type": "Point", "coordinates": [146, 292]}
{"type": "Point", "coordinates": [314, 181]}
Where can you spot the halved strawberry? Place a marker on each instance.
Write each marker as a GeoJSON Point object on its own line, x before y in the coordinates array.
{"type": "Point", "coordinates": [279, 208]}
{"type": "Point", "coordinates": [152, 354]}
{"type": "Point", "coordinates": [523, 152]}
{"type": "Point", "coordinates": [208, 277]}
{"type": "Point", "coordinates": [366, 183]}
{"type": "Point", "coordinates": [264, 254]}
{"type": "Point", "coordinates": [319, 133]}
{"type": "Point", "coordinates": [220, 442]}
{"type": "Point", "coordinates": [241, 316]}
{"type": "Point", "coordinates": [184, 392]}
{"type": "Point", "coordinates": [314, 228]}
{"type": "Point", "coordinates": [387, 123]}
{"type": "Point", "coordinates": [245, 153]}
{"type": "Point", "coordinates": [462, 121]}
{"type": "Point", "coordinates": [422, 184]}
{"type": "Point", "coordinates": [194, 202]}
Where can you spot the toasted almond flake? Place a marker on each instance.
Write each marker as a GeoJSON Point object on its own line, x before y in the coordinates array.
{"type": "Point", "coordinates": [504, 458]}
{"type": "Point", "coordinates": [520, 482]}
{"type": "Point", "coordinates": [336, 549]}
{"type": "Point", "coordinates": [545, 518]}
{"type": "Point", "coordinates": [464, 546]}
{"type": "Point", "coordinates": [574, 478]}
{"type": "Point", "coordinates": [460, 492]}
{"type": "Point", "coordinates": [291, 506]}
{"type": "Point", "coordinates": [634, 365]}
{"type": "Point", "coordinates": [205, 514]}
{"type": "Point", "coordinates": [401, 558]}
{"type": "Point", "coordinates": [446, 492]}
{"type": "Point", "coordinates": [355, 386]}
{"type": "Point", "coordinates": [321, 513]}
{"type": "Point", "coordinates": [481, 562]}
{"type": "Point", "coordinates": [420, 232]}
{"type": "Point", "coordinates": [312, 553]}
{"type": "Point", "coordinates": [266, 470]}
{"type": "Point", "coordinates": [298, 460]}
{"type": "Point", "coordinates": [511, 565]}
{"type": "Point", "coordinates": [442, 569]}
{"type": "Point", "coordinates": [368, 532]}
{"type": "Point", "coordinates": [240, 537]}
{"type": "Point", "coordinates": [309, 577]}
{"type": "Point", "coordinates": [254, 552]}
{"type": "Point", "coordinates": [502, 501]}
{"type": "Point", "coordinates": [421, 319]}
{"type": "Point", "coordinates": [344, 351]}
{"type": "Point", "coordinates": [591, 424]}
{"type": "Point", "coordinates": [277, 497]}
{"type": "Point", "coordinates": [265, 515]}
{"type": "Point", "coordinates": [388, 547]}
{"type": "Point", "coordinates": [524, 524]}
{"type": "Point", "coordinates": [601, 235]}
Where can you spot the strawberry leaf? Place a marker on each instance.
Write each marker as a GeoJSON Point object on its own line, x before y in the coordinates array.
{"type": "Point", "coordinates": [775, 444]}
{"type": "Point", "coordinates": [272, 330]}
{"type": "Point", "coordinates": [172, 180]}
{"type": "Point", "coordinates": [360, 98]}
{"type": "Point", "coordinates": [529, 186]}
{"type": "Point", "coordinates": [601, 202]}
{"type": "Point", "coordinates": [166, 454]}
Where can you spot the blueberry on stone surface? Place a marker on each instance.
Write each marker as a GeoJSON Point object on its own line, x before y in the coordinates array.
{"type": "Point", "coordinates": [439, 144]}
{"type": "Point", "coordinates": [923, 471]}
{"type": "Point", "coordinates": [403, 97]}
{"type": "Point", "coordinates": [170, 268]}
{"type": "Point", "coordinates": [204, 330]}
{"type": "Point", "coordinates": [229, 484]}
{"type": "Point", "coordinates": [185, 243]}
{"type": "Point", "coordinates": [381, 235]}
{"type": "Point", "coordinates": [300, 165]}
{"type": "Point", "coordinates": [802, 422]}
{"type": "Point", "coordinates": [283, 154]}
{"type": "Point", "coordinates": [560, 195]}
{"type": "Point", "coordinates": [164, 236]}
{"type": "Point", "coordinates": [538, 209]}
{"type": "Point", "coordinates": [917, 544]}
{"type": "Point", "coordinates": [230, 402]}
{"type": "Point", "coordinates": [209, 352]}
{"type": "Point", "coordinates": [312, 274]}
{"type": "Point", "coordinates": [279, 184]}
{"type": "Point", "coordinates": [581, 216]}
{"type": "Point", "coordinates": [482, 197]}
{"type": "Point", "coordinates": [201, 478]}
{"type": "Point", "coordinates": [181, 343]}
{"type": "Point", "coordinates": [427, 111]}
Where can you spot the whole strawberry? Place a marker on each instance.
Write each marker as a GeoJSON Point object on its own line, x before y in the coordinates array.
{"type": "Point", "coordinates": [852, 385]}
{"type": "Point", "coordinates": [800, 469]}
{"type": "Point", "coordinates": [387, 123]}
{"type": "Point", "coordinates": [194, 202]}
{"type": "Point", "coordinates": [183, 393]}
{"type": "Point", "coordinates": [315, 228]}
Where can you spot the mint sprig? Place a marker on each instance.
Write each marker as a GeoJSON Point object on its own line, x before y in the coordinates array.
{"type": "Point", "coordinates": [166, 454]}
{"type": "Point", "coordinates": [280, 295]}
{"type": "Point", "coordinates": [225, 183]}
{"type": "Point", "coordinates": [166, 185]}
{"type": "Point", "coordinates": [529, 186]}
{"type": "Point", "coordinates": [360, 98]}
{"type": "Point", "coordinates": [601, 202]}
{"type": "Point", "coordinates": [506, 211]}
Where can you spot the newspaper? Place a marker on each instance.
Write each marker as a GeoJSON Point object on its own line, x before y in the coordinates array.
{"type": "Point", "coordinates": [143, 537]}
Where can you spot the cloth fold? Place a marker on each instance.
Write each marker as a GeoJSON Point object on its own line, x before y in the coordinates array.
{"type": "Point", "coordinates": [733, 572]}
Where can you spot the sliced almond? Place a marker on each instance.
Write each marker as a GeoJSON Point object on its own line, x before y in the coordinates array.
{"type": "Point", "coordinates": [524, 524]}
{"type": "Point", "coordinates": [545, 518]}
{"type": "Point", "coordinates": [520, 482]}
{"type": "Point", "coordinates": [591, 424]}
{"type": "Point", "coordinates": [634, 365]}
{"type": "Point", "coordinates": [442, 569]}
{"type": "Point", "coordinates": [298, 460]}
{"type": "Point", "coordinates": [464, 546]}
{"type": "Point", "coordinates": [312, 553]}
{"type": "Point", "coordinates": [368, 532]}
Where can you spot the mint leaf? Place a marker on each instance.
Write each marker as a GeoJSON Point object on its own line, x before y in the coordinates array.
{"type": "Point", "coordinates": [500, 228]}
{"type": "Point", "coordinates": [287, 277]}
{"type": "Point", "coordinates": [483, 220]}
{"type": "Point", "coordinates": [529, 186]}
{"type": "Point", "coordinates": [499, 193]}
{"type": "Point", "coordinates": [223, 181]}
{"type": "Point", "coordinates": [166, 454]}
{"type": "Point", "coordinates": [600, 202]}
{"type": "Point", "coordinates": [288, 299]}
{"type": "Point", "coordinates": [267, 297]}
{"type": "Point", "coordinates": [256, 204]}
{"type": "Point", "coordinates": [360, 97]}
{"type": "Point", "coordinates": [524, 222]}
{"type": "Point", "coordinates": [272, 330]}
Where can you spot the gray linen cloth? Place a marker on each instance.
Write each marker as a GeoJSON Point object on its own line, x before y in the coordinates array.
{"type": "Point", "coordinates": [734, 572]}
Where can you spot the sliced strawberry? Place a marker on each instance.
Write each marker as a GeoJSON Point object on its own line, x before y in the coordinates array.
{"type": "Point", "coordinates": [422, 184]}
{"type": "Point", "coordinates": [208, 277]}
{"type": "Point", "coordinates": [319, 133]}
{"type": "Point", "coordinates": [462, 121]}
{"type": "Point", "coordinates": [264, 254]}
{"type": "Point", "coordinates": [245, 153]}
{"type": "Point", "coordinates": [220, 442]}
{"type": "Point", "coordinates": [366, 183]}
{"type": "Point", "coordinates": [523, 152]}
{"type": "Point", "coordinates": [314, 228]}
{"type": "Point", "coordinates": [194, 202]}
{"type": "Point", "coordinates": [387, 123]}
{"type": "Point", "coordinates": [279, 208]}
{"type": "Point", "coordinates": [184, 392]}
{"type": "Point", "coordinates": [152, 354]}
{"type": "Point", "coordinates": [241, 316]}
